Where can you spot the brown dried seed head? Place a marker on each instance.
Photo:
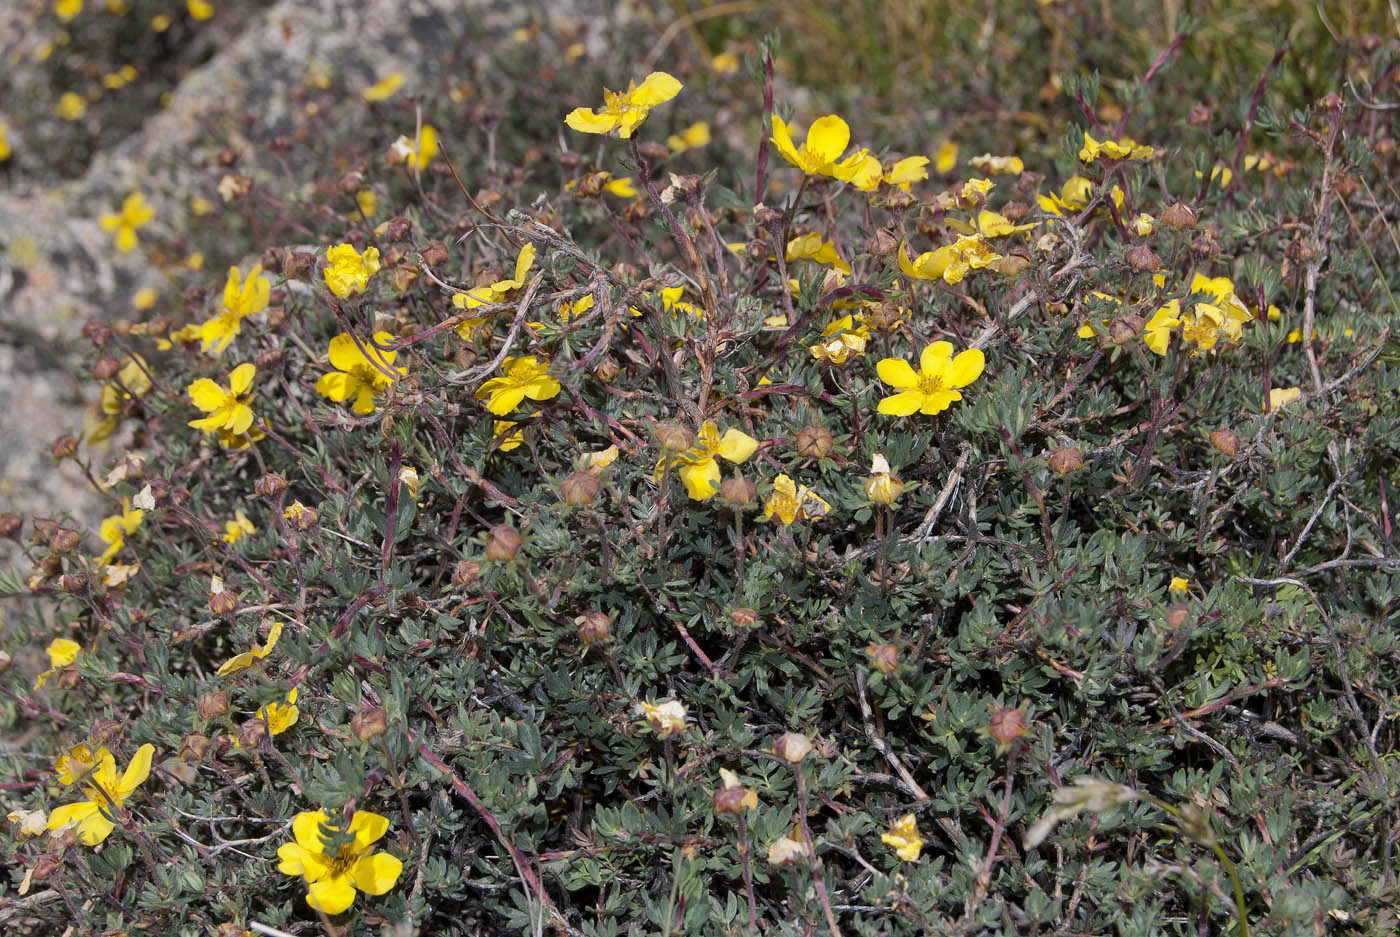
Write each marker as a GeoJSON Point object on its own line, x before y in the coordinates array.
{"type": "Point", "coordinates": [213, 705]}
{"type": "Point", "coordinates": [814, 442]}
{"type": "Point", "coordinates": [883, 657]}
{"type": "Point", "coordinates": [1065, 459]}
{"type": "Point", "coordinates": [593, 627]}
{"type": "Point", "coordinates": [1225, 441]}
{"type": "Point", "coordinates": [369, 723]}
{"type": "Point", "coordinates": [1180, 216]}
{"type": "Point", "coordinates": [1006, 725]}
{"type": "Point", "coordinates": [580, 488]}
{"type": "Point", "coordinates": [503, 543]}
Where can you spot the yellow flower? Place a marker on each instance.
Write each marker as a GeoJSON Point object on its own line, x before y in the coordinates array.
{"type": "Point", "coordinates": [933, 388]}
{"type": "Point", "coordinates": [951, 262]}
{"type": "Point", "coordinates": [419, 152]}
{"type": "Point", "coordinates": [92, 817]}
{"type": "Point", "coordinates": [114, 529]}
{"type": "Point", "coordinates": [1143, 225]}
{"type": "Point", "coordinates": [242, 298]}
{"type": "Point", "coordinates": [904, 838]}
{"type": "Point", "coordinates": [1179, 585]}
{"type": "Point", "coordinates": [814, 247]}
{"type": "Point", "coordinates": [624, 111]}
{"type": "Point", "coordinates": [904, 172]}
{"type": "Point", "coordinates": [1074, 195]}
{"type": "Point", "coordinates": [726, 63]}
{"type": "Point", "coordinates": [1122, 148]}
{"type": "Point", "coordinates": [200, 9]}
{"type": "Point", "coordinates": [280, 716]}
{"type": "Point", "coordinates": [882, 487]}
{"type": "Point", "coordinates": [1006, 165]}
{"type": "Point", "coordinates": [1204, 324]}
{"type": "Point", "coordinates": [238, 528]}
{"type": "Point", "coordinates": [367, 204]}
{"type": "Point", "coordinates": [820, 154]}
{"type": "Point", "coordinates": [791, 502]}
{"type": "Point", "coordinates": [363, 371]}
{"type": "Point", "coordinates": [408, 477]}
{"type": "Point", "coordinates": [67, 9]}
{"type": "Point", "coordinates": [144, 299]}
{"type": "Point", "coordinates": [347, 271]}
{"type": "Point", "coordinates": [4, 142]}
{"type": "Point", "coordinates": [62, 652]}
{"type": "Point", "coordinates": [945, 158]}
{"type": "Point", "coordinates": [384, 88]}
{"type": "Point", "coordinates": [597, 461]}
{"type": "Point", "coordinates": [132, 381]}
{"type": "Point", "coordinates": [228, 409]}
{"type": "Point", "coordinates": [506, 436]}
{"type": "Point", "coordinates": [667, 719]}
{"type": "Point", "coordinates": [1220, 176]}
{"type": "Point", "coordinates": [840, 340]}
{"type": "Point", "coordinates": [134, 213]}
{"type": "Point", "coordinates": [698, 466]}
{"type": "Point", "coordinates": [495, 292]}
{"type": "Point", "coordinates": [691, 138]}
{"type": "Point", "coordinates": [246, 659]}
{"type": "Point", "coordinates": [79, 761]}
{"type": "Point", "coordinates": [990, 224]}
{"type": "Point", "coordinates": [1157, 333]}
{"type": "Point", "coordinates": [622, 188]}
{"type": "Point", "coordinates": [200, 206]}
{"type": "Point", "coordinates": [1280, 397]}
{"type": "Point", "coordinates": [524, 377]}
{"type": "Point", "coordinates": [334, 875]}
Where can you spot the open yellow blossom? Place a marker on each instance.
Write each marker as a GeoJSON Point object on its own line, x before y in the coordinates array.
{"type": "Point", "coordinates": [667, 719]}
{"type": "Point", "coordinates": [363, 371]}
{"type": "Point", "coordinates": [791, 502]}
{"type": "Point", "coordinates": [5, 150]}
{"type": "Point", "coordinates": [841, 340]}
{"type": "Point", "coordinates": [78, 763]}
{"type": "Point", "coordinates": [66, 10]}
{"type": "Point", "coordinates": [691, 138]}
{"type": "Point", "coordinates": [935, 385]}
{"type": "Point", "coordinates": [904, 838]}
{"type": "Point", "coordinates": [115, 528]}
{"type": "Point", "coordinates": [418, 152]}
{"type": "Point", "coordinates": [62, 652]}
{"type": "Point", "coordinates": [945, 158]}
{"type": "Point", "coordinates": [951, 262]}
{"type": "Point", "coordinates": [132, 380]}
{"type": "Point", "coordinates": [200, 9]}
{"type": "Point", "coordinates": [881, 486]}
{"type": "Point", "coordinates": [334, 876]}
{"type": "Point", "coordinates": [384, 88]}
{"type": "Point", "coordinates": [698, 466]}
{"type": "Point", "coordinates": [814, 247]}
{"type": "Point", "coordinates": [93, 817]}
{"type": "Point", "coordinates": [726, 63]}
{"type": "Point", "coordinates": [348, 271]}
{"type": "Point", "coordinates": [524, 377]}
{"type": "Point", "coordinates": [494, 292]}
{"type": "Point", "coordinates": [989, 224]}
{"type": "Point", "coordinates": [1280, 397]}
{"type": "Point", "coordinates": [1179, 585]}
{"type": "Point", "coordinates": [622, 188]}
{"type": "Point", "coordinates": [134, 214]}
{"type": "Point", "coordinates": [246, 659]}
{"type": "Point", "coordinates": [624, 111]}
{"type": "Point", "coordinates": [1204, 324]}
{"type": "Point", "coordinates": [1122, 148]}
{"type": "Point", "coordinates": [1073, 196]}
{"type": "Point", "coordinates": [242, 298]}
{"type": "Point", "coordinates": [1005, 165]}
{"type": "Point", "coordinates": [820, 153]}
{"type": "Point", "coordinates": [71, 106]}
{"type": "Point", "coordinates": [904, 172]}
{"type": "Point", "coordinates": [229, 408]}
{"type": "Point", "coordinates": [280, 716]}
{"type": "Point", "coordinates": [238, 528]}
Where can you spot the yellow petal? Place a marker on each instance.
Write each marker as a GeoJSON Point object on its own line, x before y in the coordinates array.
{"type": "Point", "coordinates": [933, 360]}
{"type": "Point", "coordinates": [376, 874]}
{"type": "Point", "coordinates": [584, 120]}
{"type": "Point", "coordinates": [700, 479]}
{"type": "Point", "coordinates": [827, 138]}
{"type": "Point", "coordinates": [331, 895]}
{"type": "Point", "coordinates": [306, 827]}
{"type": "Point", "coordinates": [656, 88]}
{"type": "Point", "coordinates": [63, 652]}
{"type": "Point", "coordinates": [240, 379]}
{"type": "Point", "coordinates": [368, 828]}
{"type": "Point", "coordinates": [207, 395]}
{"type": "Point", "coordinates": [901, 404]}
{"type": "Point", "coordinates": [782, 139]}
{"type": "Point", "coordinates": [136, 772]}
{"type": "Point", "coordinates": [737, 446]}
{"type": "Point", "coordinates": [967, 367]}
{"type": "Point", "coordinates": [897, 372]}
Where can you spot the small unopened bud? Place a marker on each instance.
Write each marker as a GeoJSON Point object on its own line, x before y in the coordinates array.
{"type": "Point", "coordinates": [1006, 725]}
{"type": "Point", "coordinates": [272, 258]}
{"type": "Point", "coordinates": [502, 543]}
{"type": "Point", "coordinates": [1176, 615]}
{"type": "Point", "coordinates": [882, 243]}
{"type": "Point", "coordinates": [269, 486]}
{"type": "Point", "coordinates": [738, 491]}
{"type": "Point", "coordinates": [64, 540]}
{"type": "Point", "coordinates": [1385, 146]}
{"type": "Point", "coordinates": [73, 583]}
{"type": "Point", "coordinates": [49, 567]}
{"type": "Point", "coordinates": [223, 603]}
{"type": "Point", "coordinates": [106, 368]}
{"type": "Point", "coordinates": [654, 152]}
{"type": "Point", "coordinates": [579, 488]}
{"type": "Point", "coordinates": [1143, 257]}
{"type": "Point", "coordinates": [46, 866]}
{"type": "Point", "coordinates": [569, 160]}
{"type": "Point", "coordinates": [213, 705]}
{"type": "Point", "coordinates": [369, 723]}
{"type": "Point", "coordinates": [466, 572]}
{"type": "Point", "coordinates": [744, 617]}
{"type": "Point", "coordinates": [814, 442]}
{"type": "Point", "coordinates": [1225, 441]}
{"type": "Point", "coordinates": [103, 730]}
{"type": "Point", "coordinates": [64, 447]}
{"type": "Point", "coordinates": [97, 332]}
{"type": "Point", "coordinates": [350, 183]}
{"type": "Point", "coordinates": [766, 217]}
{"type": "Point", "coordinates": [1180, 216]}
{"type": "Point", "coordinates": [883, 657]}
{"type": "Point", "coordinates": [1205, 245]}
{"type": "Point", "coordinates": [1345, 185]}
{"type": "Point", "coordinates": [593, 627]}
{"type": "Point", "coordinates": [193, 747]}
{"type": "Point", "coordinates": [1200, 114]}
{"type": "Point", "coordinates": [4, 661]}
{"type": "Point", "coordinates": [731, 799]}
{"type": "Point", "coordinates": [674, 438]}
{"type": "Point", "coordinates": [10, 525]}
{"type": "Point", "coordinates": [252, 732]}
{"type": "Point", "coordinates": [434, 253]}
{"type": "Point", "coordinates": [607, 370]}
{"type": "Point", "coordinates": [398, 229]}
{"type": "Point", "coordinates": [296, 264]}
{"type": "Point", "coordinates": [1065, 459]}
{"type": "Point", "coordinates": [792, 747]}
{"type": "Point", "coordinates": [1126, 327]}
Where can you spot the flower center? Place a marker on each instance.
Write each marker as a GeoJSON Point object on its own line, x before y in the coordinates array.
{"type": "Point", "coordinates": [930, 384]}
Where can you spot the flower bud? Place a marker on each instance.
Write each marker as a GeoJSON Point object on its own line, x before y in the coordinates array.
{"type": "Point", "coordinates": [193, 747]}
{"type": "Point", "coordinates": [213, 705]}
{"type": "Point", "coordinates": [106, 368]}
{"type": "Point", "coordinates": [296, 264]}
{"type": "Point", "coordinates": [369, 723]}
{"type": "Point", "coordinates": [792, 747]}
{"type": "Point", "coordinates": [252, 732]}
{"type": "Point", "coordinates": [738, 491]}
{"type": "Point", "coordinates": [350, 183]}
{"type": "Point", "coordinates": [398, 229]}
{"type": "Point", "coordinates": [65, 540]}
{"type": "Point", "coordinates": [607, 370]}
{"type": "Point", "coordinates": [4, 661]}
{"type": "Point", "coordinates": [502, 543]}
{"type": "Point", "coordinates": [674, 438]}
{"type": "Point", "coordinates": [73, 583]}
{"type": "Point", "coordinates": [732, 799]}
{"type": "Point", "coordinates": [1015, 212]}
{"type": "Point", "coordinates": [666, 718]}
{"type": "Point", "coordinates": [882, 243]}
{"type": "Point", "coordinates": [97, 332]}
{"type": "Point", "coordinates": [466, 572]}
{"type": "Point", "coordinates": [103, 730]}
{"type": "Point", "coordinates": [269, 486]}
{"type": "Point", "coordinates": [272, 258]}
{"type": "Point", "coordinates": [880, 486]}
{"type": "Point", "coordinates": [593, 627]}
{"type": "Point", "coordinates": [883, 657]}
{"type": "Point", "coordinates": [1142, 258]}
{"type": "Point", "coordinates": [1006, 725]}
{"type": "Point", "coordinates": [46, 866]}
{"type": "Point", "coordinates": [10, 525]}
{"type": "Point", "coordinates": [580, 488]}
{"type": "Point", "coordinates": [654, 152]}
{"type": "Point", "coordinates": [300, 516]}
{"type": "Point", "coordinates": [1200, 114]}
{"type": "Point", "coordinates": [786, 851]}
{"type": "Point", "coordinates": [1126, 327]}
{"type": "Point", "coordinates": [1205, 245]}
{"type": "Point", "coordinates": [434, 253]}
{"type": "Point", "coordinates": [1225, 441]}
{"type": "Point", "coordinates": [1065, 459]}
{"type": "Point", "coordinates": [744, 617]}
{"type": "Point", "coordinates": [1180, 216]}
{"type": "Point", "coordinates": [223, 602]}
{"type": "Point", "coordinates": [1385, 146]}
{"type": "Point", "coordinates": [814, 442]}
{"type": "Point", "coordinates": [49, 567]}
{"type": "Point", "coordinates": [1177, 614]}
